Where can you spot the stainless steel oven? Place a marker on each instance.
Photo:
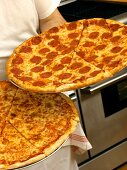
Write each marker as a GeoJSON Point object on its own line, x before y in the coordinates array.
{"type": "Point", "coordinates": [103, 106]}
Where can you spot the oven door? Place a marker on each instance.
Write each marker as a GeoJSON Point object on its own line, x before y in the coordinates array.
{"type": "Point", "coordinates": [104, 115]}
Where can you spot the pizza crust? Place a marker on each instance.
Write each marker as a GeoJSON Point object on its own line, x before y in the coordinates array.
{"type": "Point", "coordinates": [25, 163]}
{"type": "Point", "coordinates": [3, 167]}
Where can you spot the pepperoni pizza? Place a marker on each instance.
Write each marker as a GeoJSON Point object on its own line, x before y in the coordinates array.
{"type": "Point", "coordinates": [32, 125]}
{"type": "Point", "coordinates": [70, 56]}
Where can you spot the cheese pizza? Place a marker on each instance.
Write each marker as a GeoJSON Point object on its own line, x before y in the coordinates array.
{"type": "Point", "coordinates": [70, 56]}
{"type": "Point", "coordinates": [32, 125]}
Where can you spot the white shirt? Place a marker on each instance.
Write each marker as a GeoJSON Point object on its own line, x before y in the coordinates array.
{"type": "Point", "coordinates": [19, 20]}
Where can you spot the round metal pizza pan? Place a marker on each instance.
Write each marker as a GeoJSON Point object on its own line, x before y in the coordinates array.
{"type": "Point", "coordinates": [41, 160]}
{"type": "Point", "coordinates": [15, 84]}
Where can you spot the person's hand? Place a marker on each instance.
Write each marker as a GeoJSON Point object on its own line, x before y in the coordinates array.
{"type": "Point", "coordinates": [55, 19]}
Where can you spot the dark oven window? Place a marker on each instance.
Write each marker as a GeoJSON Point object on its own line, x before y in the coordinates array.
{"type": "Point", "coordinates": [114, 98]}
{"type": "Point", "coordinates": [81, 9]}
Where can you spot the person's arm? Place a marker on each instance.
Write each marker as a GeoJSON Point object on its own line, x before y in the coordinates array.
{"type": "Point", "coordinates": [55, 19]}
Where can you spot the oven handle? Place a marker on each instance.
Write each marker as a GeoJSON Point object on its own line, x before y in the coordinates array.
{"type": "Point", "coordinates": [121, 18]}
{"type": "Point", "coordinates": [95, 88]}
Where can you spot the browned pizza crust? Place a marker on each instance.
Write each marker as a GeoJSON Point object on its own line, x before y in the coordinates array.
{"type": "Point", "coordinates": [22, 164]}
{"type": "Point", "coordinates": [25, 163]}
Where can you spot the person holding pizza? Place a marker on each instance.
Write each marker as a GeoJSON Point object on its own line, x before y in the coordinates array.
{"type": "Point", "coordinates": [20, 20]}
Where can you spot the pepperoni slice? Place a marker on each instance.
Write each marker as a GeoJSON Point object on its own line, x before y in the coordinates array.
{"type": "Point", "coordinates": [81, 54]}
{"type": "Point", "coordinates": [74, 43]}
{"type": "Point", "coordinates": [76, 65]}
{"type": "Point", "coordinates": [38, 83]}
{"type": "Point", "coordinates": [93, 35]}
{"type": "Point", "coordinates": [25, 49]}
{"type": "Point", "coordinates": [67, 50]}
{"type": "Point", "coordinates": [88, 44]}
{"type": "Point", "coordinates": [53, 30]}
{"type": "Point", "coordinates": [56, 83]}
{"type": "Point", "coordinates": [56, 37]}
{"type": "Point", "coordinates": [61, 47]}
{"type": "Point", "coordinates": [24, 78]}
{"type": "Point", "coordinates": [54, 43]}
{"type": "Point", "coordinates": [100, 65]}
{"type": "Point", "coordinates": [91, 58]}
{"type": "Point", "coordinates": [51, 55]}
{"type": "Point", "coordinates": [58, 67]}
{"type": "Point", "coordinates": [92, 21]}
{"type": "Point", "coordinates": [65, 75]}
{"type": "Point", "coordinates": [106, 60]}
{"type": "Point", "coordinates": [48, 36]}
{"type": "Point", "coordinates": [72, 26]}
{"type": "Point", "coordinates": [47, 62]}
{"type": "Point", "coordinates": [100, 47]}
{"type": "Point", "coordinates": [85, 23]}
{"type": "Point", "coordinates": [35, 59]}
{"type": "Point", "coordinates": [44, 50]}
{"type": "Point", "coordinates": [46, 75]}
{"type": "Point", "coordinates": [84, 69]}
{"type": "Point", "coordinates": [116, 49]}
{"type": "Point", "coordinates": [17, 60]}
{"type": "Point", "coordinates": [106, 35]}
{"type": "Point", "coordinates": [73, 35]}
{"type": "Point", "coordinates": [16, 71]}
{"type": "Point", "coordinates": [66, 60]}
{"type": "Point", "coordinates": [37, 69]}
{"type": "Point", "coordinates": [124, 31]}
{"type": "Point", "coordinates": [36, 40]}
{"type": "Point", "coordinates": [83, 78]}
{"type": "Point", "coordinates": [114, 27]}
{"type": "Point", "coordinates": [95, 73]}
{"type": "Point", "coordinates": [115, 38]}
{"type": "Point", "coordinates": [101, 22]}
{"type": "Point", "coordinates": [114, 64]}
